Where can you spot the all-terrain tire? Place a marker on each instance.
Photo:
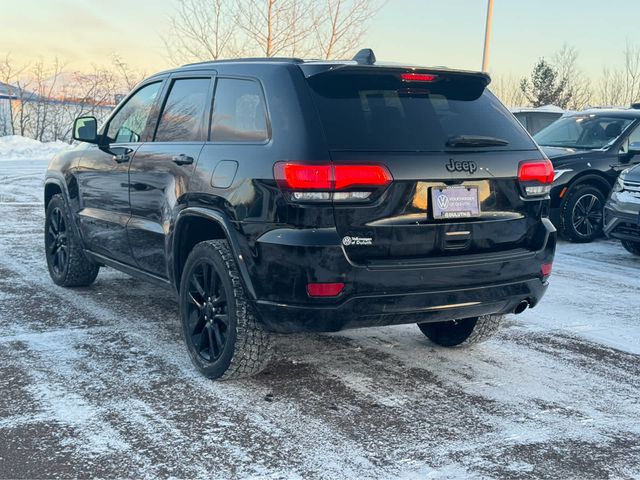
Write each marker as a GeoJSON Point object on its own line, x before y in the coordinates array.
{"type": "Point", "coordinates": [462, 333]}
{"type": "Point", "coordinates": [578, 198]}
{"type": "Point", "coordinates": [247, 347]}
{"type": "Point", "coordinates": [68, 265]}
{"type": "Point", "coordinates": [631, 247]}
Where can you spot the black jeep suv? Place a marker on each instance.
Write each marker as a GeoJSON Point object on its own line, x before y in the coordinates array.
{"type": "Point", "coordinates": [281, 195]}
{"type": "Point", "coordinates": [588, 150]}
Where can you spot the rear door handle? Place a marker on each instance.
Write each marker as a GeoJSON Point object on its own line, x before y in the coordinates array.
{"type": "Point", "coordinates": [182, 159]}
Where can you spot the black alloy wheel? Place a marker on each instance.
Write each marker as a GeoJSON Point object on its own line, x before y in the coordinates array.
{"type": "Point", "coordinates": [56, 245]}
{"type": "Point", "coordinates": [587, 215]}
{"type": "Point", "coordinates": [207, 312]}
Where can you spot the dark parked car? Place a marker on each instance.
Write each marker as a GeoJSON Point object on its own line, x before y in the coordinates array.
{"type": "Point", "coordinates": [279, 195]}
{"type": "Point", "coordinates": [588, 150]}
{"type": "Point", "coordinates": [622, 211]}
{"type": "Point", "coordinates": [536, 119]}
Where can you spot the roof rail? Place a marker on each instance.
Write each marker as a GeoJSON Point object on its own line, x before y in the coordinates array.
{"type": "Point", "coordinates": [365, 57]}
{"type": "Point", "coordinates": [249, 59]}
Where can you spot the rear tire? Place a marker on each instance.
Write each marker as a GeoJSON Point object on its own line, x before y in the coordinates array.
{"type": "Point", "coordinates": [631, 247]}
{"type": "Point", "coordinates": [224, 338]}
{"type": "Point", "coordinates": [582, 214]}
{"type": "Point", "coordinates": [68, 265]}
{"type": "Point", "coordinates": [461, 333]}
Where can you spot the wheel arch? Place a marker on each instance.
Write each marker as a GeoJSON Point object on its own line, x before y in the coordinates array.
{"type": "Point", "coordinates": [590, 178]}
{"type": "Point", "coordinates": [197, 224]}
{"type": "Point", "coordinates": [53, 186]}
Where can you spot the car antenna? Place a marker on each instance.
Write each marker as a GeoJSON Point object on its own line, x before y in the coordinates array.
{"type": "Point", "coordinates": [365, 57]}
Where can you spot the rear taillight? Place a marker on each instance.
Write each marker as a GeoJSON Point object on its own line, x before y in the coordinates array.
{"type": "Point", "coordinates": [536, 177]}
{"type": "Point", "coordinates": [342, 183]}
{"type": "Point", "coordinates": [545, 270]}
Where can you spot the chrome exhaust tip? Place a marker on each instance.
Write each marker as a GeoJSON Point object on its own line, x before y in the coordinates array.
{"type": "Point", "coordinates": [521, 307]}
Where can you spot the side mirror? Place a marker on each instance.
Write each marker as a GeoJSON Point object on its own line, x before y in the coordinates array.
{"type": "Point", "coordinates": [85, 129]}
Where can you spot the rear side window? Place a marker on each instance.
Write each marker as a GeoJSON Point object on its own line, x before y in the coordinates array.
{"type": "Point", "coordinates": [381, 112]}
{"type": "Point", "coordinates": [239, 113]}
{"type": "Point", "coordinates": [183, 114]}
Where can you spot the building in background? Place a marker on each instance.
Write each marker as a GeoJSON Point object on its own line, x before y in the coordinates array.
{"type": "Point", "coordinates": [6, 96]}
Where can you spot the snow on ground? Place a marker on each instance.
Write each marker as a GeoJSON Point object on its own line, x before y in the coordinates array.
{"type": "Point", "coordinates": [15, 147]}
{"type": "Point", "coordinates": [96, 382]}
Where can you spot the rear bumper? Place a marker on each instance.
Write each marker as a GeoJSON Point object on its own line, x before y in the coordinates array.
{"type": "Point", "coordinates": [622, 218]}
{"type": "Point", "coordinates": [395, 309]}
{"type": "Point", "coordinates": [433, 289]}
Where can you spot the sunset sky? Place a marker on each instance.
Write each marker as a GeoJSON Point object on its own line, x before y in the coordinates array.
{"type": "Point", "coordinates": [430, 32]}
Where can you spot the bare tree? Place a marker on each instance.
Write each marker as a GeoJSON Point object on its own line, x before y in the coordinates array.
{"type": "Point", "coordinates": [577, 84]}
{"type": "Point", "coordinates": [45, 82]}
{"type": "Point", "coordinates": [507, 89]}
{"type": "Point", "coordinates": [341, 26]}
{"type": "Point", "coordinates": [127, 77]}
{"type": "Point", "coordinates": [277, 27]}
{"type": "Point", "coordinates": [202, 30]}
{"type": "Point", "coordinates": [214, 29]}
{"type": "Point", "coordinates": [621, 87]}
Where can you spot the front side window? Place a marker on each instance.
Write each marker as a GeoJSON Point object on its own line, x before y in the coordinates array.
{"type": "Point", "coordinates": [582, 131]}
{"type": "Point", "coordinates": [239, 113]}
{"type": "Point", "coordinates": [183, 114]}
{"type": "Point", "coordinates": [130, 121]}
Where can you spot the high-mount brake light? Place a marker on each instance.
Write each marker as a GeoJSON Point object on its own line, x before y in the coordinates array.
{"type": "Point", "coordinates": [536, 177]}
{"type": "Point", "coordinates": [325, 182]}
{"type": "Point", "coordinates": [418, 77]}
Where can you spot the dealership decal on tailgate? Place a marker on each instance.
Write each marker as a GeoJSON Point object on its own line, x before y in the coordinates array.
{"type": "Point", "coordinates": [455, 202]}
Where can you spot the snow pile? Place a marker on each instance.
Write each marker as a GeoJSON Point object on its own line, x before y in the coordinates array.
{"type": "Point", "coordinates": [15, 147]}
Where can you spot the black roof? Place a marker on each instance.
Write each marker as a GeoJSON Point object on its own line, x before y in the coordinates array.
{"type": "Point", "coordinates": [311, 67]}
{"type": "Point", "coordinates": [630, 113]}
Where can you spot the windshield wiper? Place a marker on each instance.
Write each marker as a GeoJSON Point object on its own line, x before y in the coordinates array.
{"type": "Point", "coordinates": [475, 141]}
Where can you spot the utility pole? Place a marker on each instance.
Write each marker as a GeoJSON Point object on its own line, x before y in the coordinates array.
{"type": "Point", "coordinates": [487, 36]}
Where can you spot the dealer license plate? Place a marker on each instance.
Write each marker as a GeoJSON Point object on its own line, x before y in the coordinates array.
{"type": "Point", "coordinates": [455, 202]}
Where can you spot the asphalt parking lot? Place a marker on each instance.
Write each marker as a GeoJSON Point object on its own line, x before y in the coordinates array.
{"type": "Point", "coordinates": [96, 382]}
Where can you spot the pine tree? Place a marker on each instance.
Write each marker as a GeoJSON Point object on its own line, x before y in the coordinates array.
{"type": "Point", "coordinates": [545, 87]}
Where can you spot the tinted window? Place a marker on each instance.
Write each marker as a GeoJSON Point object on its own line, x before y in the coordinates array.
{"type": "Point", "coordinates": [183, 114]}
{"type": "Point", "coordinates": [582, 131]}
{"type": "Point", "coordinates": [538, 121]}
{"type": "Point", "coordinates": [131, 119]}
{"type": "Point", "coordinates": [239, 113]}
{"type": "Point", "coordinates": [381, 112]}
{"type": "Point", "coordinates": [634, 139]}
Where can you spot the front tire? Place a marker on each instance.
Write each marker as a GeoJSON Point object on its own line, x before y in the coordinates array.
{"type": "Point", "coordinates": [223, 337]}
{"type": "Point", "coordinates": [631, 247]}
{"type": "Point", "coordinates": [68, 265]}
{"type": "Point", "coordinates": [461, 333]}
{"type": "Point", "coordinates": [582, 214]}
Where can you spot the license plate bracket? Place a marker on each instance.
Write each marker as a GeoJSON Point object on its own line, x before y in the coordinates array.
{"type": "Point", "coordinates": [455, 202]}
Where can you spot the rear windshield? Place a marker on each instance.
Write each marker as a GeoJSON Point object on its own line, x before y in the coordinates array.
{"type": "Point", "coordinates": [381, 112]}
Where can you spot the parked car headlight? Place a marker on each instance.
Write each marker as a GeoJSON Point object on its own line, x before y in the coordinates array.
{"type": "Point", "coordinates": [619, 185]}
